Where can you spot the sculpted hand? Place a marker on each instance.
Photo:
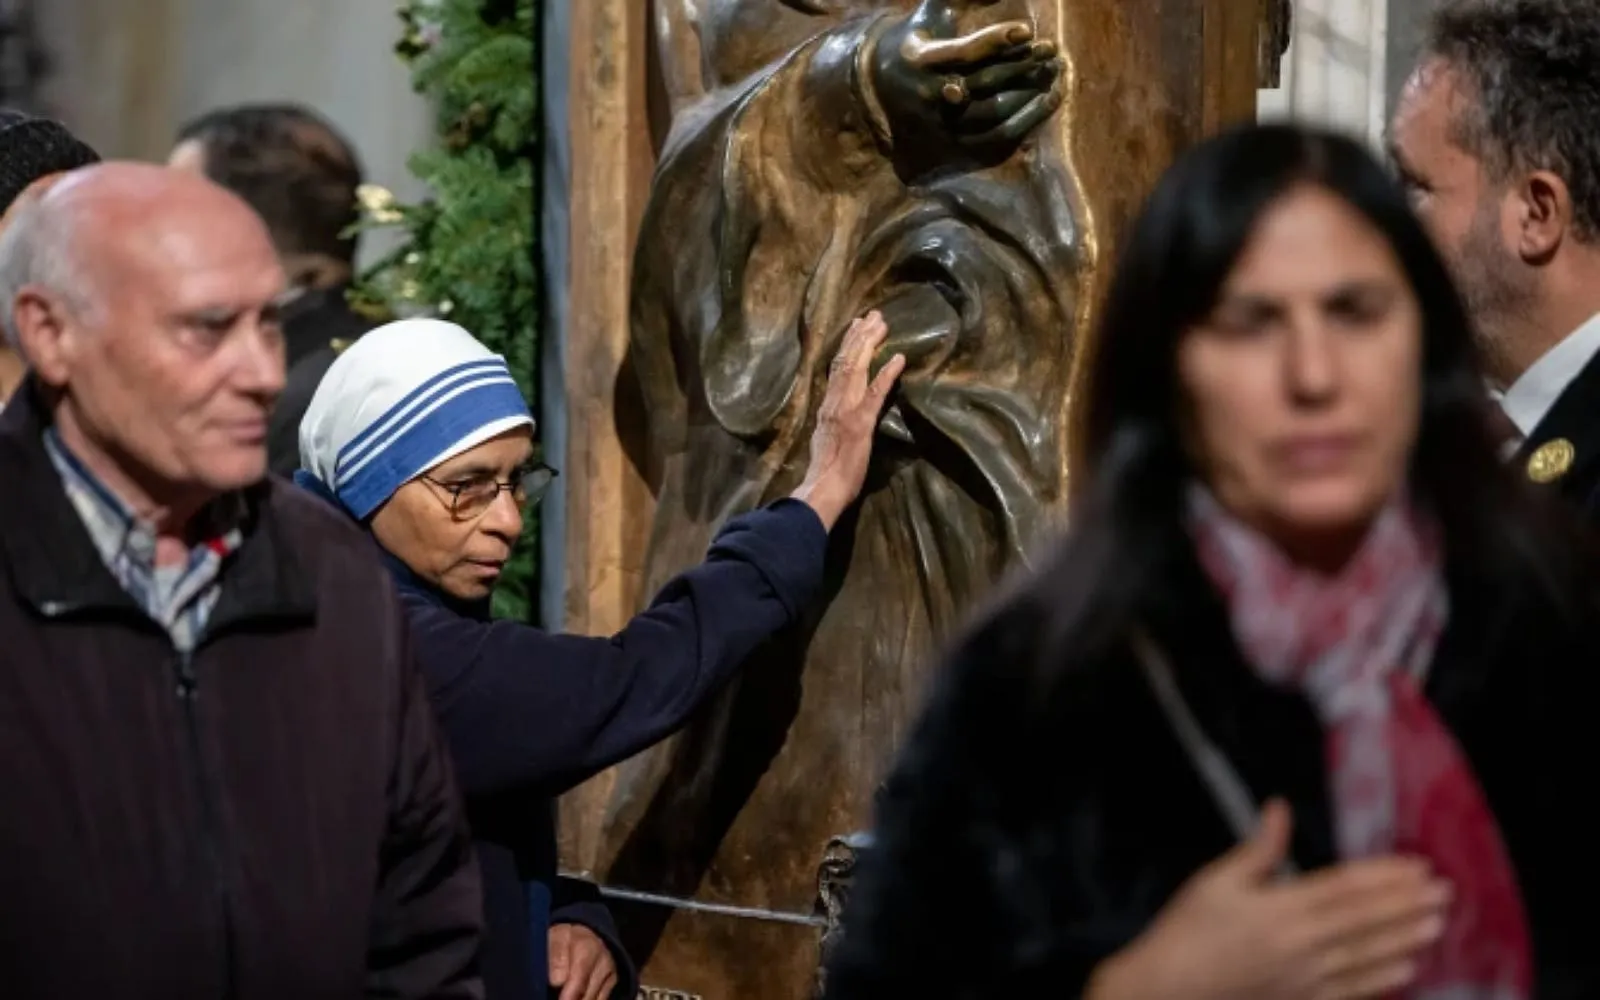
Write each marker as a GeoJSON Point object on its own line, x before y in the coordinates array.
{"type": "Point", "coordinates": [841, 445]}
{"type": "Point", "coordinates": [990, 87]}
{"type": "Point", "coordinates": [580, 963]}
{"type": "Point", "coordinates": [1236, 932]}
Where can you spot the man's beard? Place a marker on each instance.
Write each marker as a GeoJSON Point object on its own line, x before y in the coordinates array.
{"type": "Point", "coordinates": [1494, 291]}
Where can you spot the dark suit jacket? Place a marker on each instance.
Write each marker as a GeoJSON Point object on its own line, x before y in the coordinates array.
{"type": "Point", "coordinates": [316, 326]}
{"type": "Point", "coordinates": [1573, 421]}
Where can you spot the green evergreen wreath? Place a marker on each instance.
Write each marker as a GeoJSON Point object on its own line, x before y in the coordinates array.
{"type": "Point", "coordinates": [469, 251]}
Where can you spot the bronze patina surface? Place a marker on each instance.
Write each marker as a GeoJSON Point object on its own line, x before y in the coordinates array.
{"type": "Point", "coordinates": [962, 167]}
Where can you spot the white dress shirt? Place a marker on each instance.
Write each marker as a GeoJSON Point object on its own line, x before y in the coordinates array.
{"type": "Point", "coordinates": [1532, 395]}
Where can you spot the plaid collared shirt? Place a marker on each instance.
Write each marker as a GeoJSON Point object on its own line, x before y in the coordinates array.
{"type": "Point", "coordinates": [178, 597]}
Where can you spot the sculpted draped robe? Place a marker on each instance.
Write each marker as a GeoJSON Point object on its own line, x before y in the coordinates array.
{"type": "Point", "coordinates": [779, 213]}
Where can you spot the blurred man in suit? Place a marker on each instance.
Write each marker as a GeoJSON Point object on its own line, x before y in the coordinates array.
{"type": "Point", "coordinates": [301, 176]}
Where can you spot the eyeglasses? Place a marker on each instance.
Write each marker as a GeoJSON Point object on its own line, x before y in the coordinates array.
{"type": "Point", "coordinates": [470, 499]}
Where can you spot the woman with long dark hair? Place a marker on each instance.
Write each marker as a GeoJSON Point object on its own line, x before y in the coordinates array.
{"type": "Point", "coordinates": [1300, 707]}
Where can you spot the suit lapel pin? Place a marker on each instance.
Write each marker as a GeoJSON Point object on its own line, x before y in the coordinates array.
{"type": "Point", "coordinates": [1551, 460]}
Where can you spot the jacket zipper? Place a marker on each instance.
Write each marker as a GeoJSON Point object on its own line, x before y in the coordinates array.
{"type": "Point", "coordinates": [211, 824]}
{"type": "Point", "coordinates": [211, 828]}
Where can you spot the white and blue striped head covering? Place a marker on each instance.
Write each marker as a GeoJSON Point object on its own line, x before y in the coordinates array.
{"type": "Point", "coordinates": [399, 401]}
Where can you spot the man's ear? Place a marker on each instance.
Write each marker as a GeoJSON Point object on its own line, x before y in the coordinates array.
{"type": "Point", "coordinates": [42, 335]}
{"type": "Point", "coordinates": [1544, 215]}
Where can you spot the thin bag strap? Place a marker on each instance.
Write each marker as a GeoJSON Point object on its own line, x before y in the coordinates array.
{"type": "Point", "coordinates": [1228, 790]}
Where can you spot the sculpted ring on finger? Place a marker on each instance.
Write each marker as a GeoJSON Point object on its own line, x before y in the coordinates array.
{"type": "Point", "coordinates": [955, 91]}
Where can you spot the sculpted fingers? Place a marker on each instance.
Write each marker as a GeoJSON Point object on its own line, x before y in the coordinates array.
{"type": "Point", "coordinates": [1018, 125]}
{"type": "Point", "coordinates": [987, 116]}
{"type": "Point", "coordinates": [1027, 74]}
{"type": "Point", "coordinates": [939, 53]}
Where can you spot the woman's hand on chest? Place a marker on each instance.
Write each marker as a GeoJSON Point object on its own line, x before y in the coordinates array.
{"type": "Point", "coordinates": [1237, 930]}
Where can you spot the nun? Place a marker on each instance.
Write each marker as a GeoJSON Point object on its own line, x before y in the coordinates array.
{"type": "Point", "coordinates": [419, 433]}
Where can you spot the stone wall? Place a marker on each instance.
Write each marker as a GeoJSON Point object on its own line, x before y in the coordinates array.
{"type": "Point", "coordinates": [1335, 72]}
{"type": "Point", "coordinates": [1346, 63]}
{"type": "Point", "coordinates": [128, 73]}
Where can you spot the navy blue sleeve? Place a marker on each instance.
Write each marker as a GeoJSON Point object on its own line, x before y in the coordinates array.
{"type": "Point", "coordinates": [524, 707]}
{"type": "Point", "coordinates": [578, 902]}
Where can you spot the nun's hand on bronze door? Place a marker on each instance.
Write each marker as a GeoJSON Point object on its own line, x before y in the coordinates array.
{"type": "Point", "coordinates": [945, 90]}
{"type": "Point", "coordinates": [847, 421]}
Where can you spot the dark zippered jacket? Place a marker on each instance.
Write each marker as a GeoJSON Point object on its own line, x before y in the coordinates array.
{"type": "Point", "coordinates": [275, 818]}
{"type": "Point", "coordinates": [531, 714]}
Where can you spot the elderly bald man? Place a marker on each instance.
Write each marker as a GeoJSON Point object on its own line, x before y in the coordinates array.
{"type": "Point", "coordinates": [218, 772]}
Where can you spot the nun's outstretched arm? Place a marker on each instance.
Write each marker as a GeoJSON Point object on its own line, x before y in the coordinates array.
{"type": "Point", "coordinates": [537, 712]}
{"type": "Point", "coordinates": [523, 707]}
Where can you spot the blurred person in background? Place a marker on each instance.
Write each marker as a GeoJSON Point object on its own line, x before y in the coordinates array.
{"type": "Point", "coordinates": [420, 433]}
{"type": "Point", "coordinates": [1302, 708]}
{"type": "Point", "coordinates": [219, 773]}
{"type": "Point", "coordinates": [301, 176]}
{"type": "Point", "coordinates": [33, 152]}
{"type": "Point", "coordinates": [1496, 138]}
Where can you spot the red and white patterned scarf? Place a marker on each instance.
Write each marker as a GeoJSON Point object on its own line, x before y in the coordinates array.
{"type": "Point", "coordinates": [1358, 645]}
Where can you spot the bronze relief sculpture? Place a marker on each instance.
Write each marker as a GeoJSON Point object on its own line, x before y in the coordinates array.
{"type": "Point", "coordinates": [827, 158]}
